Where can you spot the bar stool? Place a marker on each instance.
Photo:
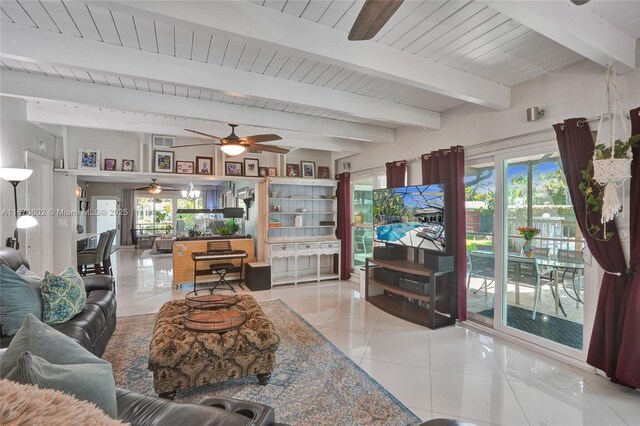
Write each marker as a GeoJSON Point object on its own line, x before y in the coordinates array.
{"type": "Point", "coordinates": [93, 257]}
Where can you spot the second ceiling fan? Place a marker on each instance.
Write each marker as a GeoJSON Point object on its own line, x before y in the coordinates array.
{"type": "Point", "coordinates": [235, 145]}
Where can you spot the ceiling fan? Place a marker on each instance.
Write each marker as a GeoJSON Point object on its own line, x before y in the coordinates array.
{"type": "Point", "coordinates": [234, 145]}
{"type": "Point", "coordinates": [376, 13]}
{"type": "Point", "coordinates": [155, 188]}
{"type": "Point", "coordinates": [372, 17]}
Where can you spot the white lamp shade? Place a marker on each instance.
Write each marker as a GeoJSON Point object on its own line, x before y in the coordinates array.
{"type": "Point", "coordinates": [26, 222]}
{"type": "Point", "coordinates": [232, 149]}
{"type": "Point", "coordinates": [18, 175]}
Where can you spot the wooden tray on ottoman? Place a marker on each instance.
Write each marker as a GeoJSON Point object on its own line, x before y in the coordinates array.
{"type": "Point", "coordinates": [217, 321]}
{"type": "Point", "coordinates": [216, 300]}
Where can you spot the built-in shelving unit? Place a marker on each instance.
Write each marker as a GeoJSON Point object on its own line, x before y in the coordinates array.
{"type": "Point", "coordinates": [306, 252]}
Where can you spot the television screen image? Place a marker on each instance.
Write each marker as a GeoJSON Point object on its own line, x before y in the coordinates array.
{"type": "Point", "coordinates": [410, 216]}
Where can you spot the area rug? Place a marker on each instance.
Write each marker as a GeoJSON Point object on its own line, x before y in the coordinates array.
{"type": "Point", "coordinates": [553, 328]}
{"type": "Point", "coordinates": [314, 383]}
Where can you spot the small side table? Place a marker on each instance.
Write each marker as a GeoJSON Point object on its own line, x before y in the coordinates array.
{"type": "Point", "coordinates": [258, 276]}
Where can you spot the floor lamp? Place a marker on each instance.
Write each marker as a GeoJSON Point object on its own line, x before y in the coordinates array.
{"type": "Point", "coordinates": [14, 177]}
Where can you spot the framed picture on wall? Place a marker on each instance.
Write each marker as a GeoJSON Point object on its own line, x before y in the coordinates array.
{"type": "Point", "coordinates": [204, 165]}
{"type": "Point", "coordinates": [184, 167]}
{"type": "Point", "coordinates": [272, 172]}
{"type": "Point", "coordinates": [232, 168]}
{"type": "Point", "coordinates": [263, 171]}
{"type": "Point", "coordinates": [308, 169]}
{"type": "Point", "coordinates": [324, 172]}
{"type": "Point", "coordinates": [110, 164]}
{"type": "Point", "coordinates": [89, 159]}
{"type": "Point", "coordinates": [293, 170]}
{"type": "Point", "coordinates": [251, 167]}
{"type": "Point", "coordinates": [163, 161]}
{"type": "Point", "coordinates": [127, 165]}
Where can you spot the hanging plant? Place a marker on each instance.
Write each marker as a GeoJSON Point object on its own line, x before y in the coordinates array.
{"type": "Point", "coordinates": [609, 168]}
{"type": "Point", "coordinates": [593, 191]}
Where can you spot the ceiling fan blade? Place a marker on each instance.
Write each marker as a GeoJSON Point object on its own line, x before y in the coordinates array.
{"type": "Point", "coordinates": [269, 148]}
{"type": "Point", "coordinates": [261, 138]}
{"type": "Point", "coordinates": [203, 134]}
{"type": "Point", "coordinates": [143, 188]}
{"type": "Point", "coordinates": [372, 17]}
{"type": "Point", "coordinates": [195, 144]}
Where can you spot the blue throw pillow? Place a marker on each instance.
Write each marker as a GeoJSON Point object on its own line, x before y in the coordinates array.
{"type": "Point", "coordinates": [17, 299]}
{"type": "Point", "coordinates": [63, 296]}
{"type": "Point", "coordinates": [39, 354]}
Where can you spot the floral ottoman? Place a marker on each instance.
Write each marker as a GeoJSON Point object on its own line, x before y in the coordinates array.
{"type": "Point", "coordinates": [182, 358]}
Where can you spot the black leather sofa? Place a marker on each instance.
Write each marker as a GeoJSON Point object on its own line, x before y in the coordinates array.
{"type": "Point", "coordinates": [92, 327]}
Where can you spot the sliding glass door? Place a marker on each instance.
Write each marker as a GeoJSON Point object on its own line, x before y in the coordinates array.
{"type": "Point", "coordinates": [543, 290]}
{"type": "Point", "coordinates": [536, 294]}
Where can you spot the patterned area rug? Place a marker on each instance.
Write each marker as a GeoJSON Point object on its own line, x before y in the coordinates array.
{"type": "Point", "coordinates": [314, 383]}
{"type": "Point", "coordinates": [553, 328]}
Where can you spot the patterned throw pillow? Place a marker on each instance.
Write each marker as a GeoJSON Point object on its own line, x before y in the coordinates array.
{"type": "Point", "coordinates": [63, 296]}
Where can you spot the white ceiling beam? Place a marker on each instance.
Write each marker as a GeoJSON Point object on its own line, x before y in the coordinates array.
{"type": "Point", "coordinates": [575, 27]}
{"type": "Point", "coordinates": [31, 44]}
{"type": "Point", "coordinates": [23, 85]}
{"type": "Point", "coordinates": [265, 26]}
{"type": "Point", "coordinates": [144, 124]}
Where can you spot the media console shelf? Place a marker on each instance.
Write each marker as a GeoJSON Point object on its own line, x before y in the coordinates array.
{"type": "Point", "coordinates": [408, 289]}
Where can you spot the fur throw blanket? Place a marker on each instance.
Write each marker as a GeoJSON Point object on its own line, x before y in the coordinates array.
{"type": "Point", "coordinates": [29, 405]}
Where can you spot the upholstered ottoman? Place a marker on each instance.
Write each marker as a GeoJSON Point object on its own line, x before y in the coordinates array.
{"type": "Point", "coordinates": [182, 358]}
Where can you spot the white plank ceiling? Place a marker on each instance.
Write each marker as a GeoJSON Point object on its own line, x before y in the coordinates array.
{"type": "Point", "coordinates": [99, 24]}
{"type": "Point", "coordinates": [462, 34]}
{"type": "Point", "coordinates": [465, 35]}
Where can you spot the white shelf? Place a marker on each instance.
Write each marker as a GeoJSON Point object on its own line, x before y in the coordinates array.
{"type": "Point", "coordinates": [304, 199]}
{"type": "Point", "coordinates": [297, 213]}
{"type": "Point", "coordinates": [305, 226]}
{"type": "Point", "coordinates": [311, 239]}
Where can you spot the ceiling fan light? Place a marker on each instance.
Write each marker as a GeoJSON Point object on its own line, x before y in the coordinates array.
{"type": "Point", "coordinates": [232, 149]}
{"type": "Point", "coordinates": [155, 190]}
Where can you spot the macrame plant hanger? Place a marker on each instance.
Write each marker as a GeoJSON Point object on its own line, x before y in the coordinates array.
{"type": "Point", "coordinates": [611, 172]}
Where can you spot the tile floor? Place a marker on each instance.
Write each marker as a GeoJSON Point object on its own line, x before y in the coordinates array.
{"type": "Point", "coordinates": [452, 372]}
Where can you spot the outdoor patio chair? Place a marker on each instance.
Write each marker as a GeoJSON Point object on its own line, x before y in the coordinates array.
{"type": "Point", "coordinates": [481, 265]}
{"type": "Point", "coordinates": [526, 271]}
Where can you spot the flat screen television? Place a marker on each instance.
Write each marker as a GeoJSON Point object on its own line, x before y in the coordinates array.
{"type": "Point", "coordinates": [411, 216]}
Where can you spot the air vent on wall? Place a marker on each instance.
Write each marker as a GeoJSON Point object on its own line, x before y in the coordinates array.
{"type": "Point", "coordinates": [161, 141]}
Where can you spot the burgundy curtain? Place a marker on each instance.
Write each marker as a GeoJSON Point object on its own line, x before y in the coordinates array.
{"type": "Point", "coordinates": [447, 166]}
{"type": "Point", "coordinates": [343, 228]}
{"type": "Point", "coordinates": [576, 146]}
{"type": "Point", "coordinates": [628, 367]}
{"type": "Point", "coordinates": [396, 172]}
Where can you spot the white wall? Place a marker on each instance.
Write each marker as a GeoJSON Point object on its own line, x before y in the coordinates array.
{"type": "Point", "coordinates": [16, 137]}
{"type": "Point", "coordinates": [574, 91]}
{"type": "Point", "coordinates": [111, 143]}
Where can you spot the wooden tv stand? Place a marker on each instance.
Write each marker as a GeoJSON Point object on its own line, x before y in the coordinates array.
{"type": "Point", "coordinates": [410, 304]}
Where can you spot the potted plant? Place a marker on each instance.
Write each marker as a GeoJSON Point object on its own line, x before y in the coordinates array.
{"type": "Point", "coordinates": [593, 190]}
{"type": "Point", "coordinates": [528, 233]}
